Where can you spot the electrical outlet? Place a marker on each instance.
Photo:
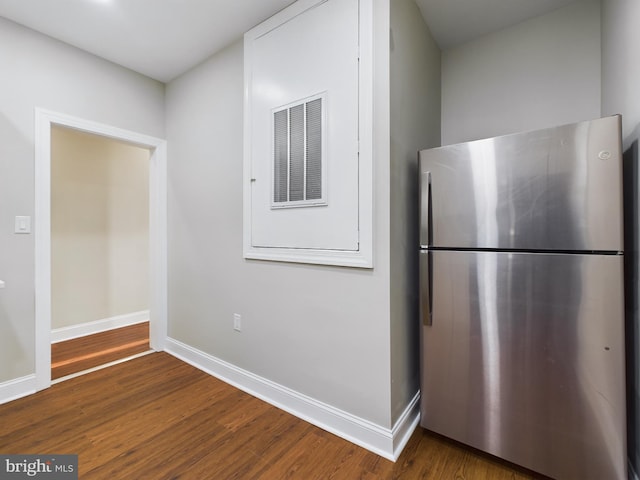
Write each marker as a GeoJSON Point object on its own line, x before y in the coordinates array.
{"type": "Point", "coordinates": [237, 326]}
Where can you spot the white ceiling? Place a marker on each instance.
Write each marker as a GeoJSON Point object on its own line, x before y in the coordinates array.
{"type": "Point", "coordinates": [158, 38]}
{"type": "Point", "coordinates": [453, 22]}
{"type": "Point", "coordinates": [164, 38]}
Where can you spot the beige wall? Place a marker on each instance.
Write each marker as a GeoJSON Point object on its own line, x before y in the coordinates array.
{"type": "Point", "coordinates": [99, 228]}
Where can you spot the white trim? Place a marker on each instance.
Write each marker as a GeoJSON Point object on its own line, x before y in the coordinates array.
{"type": "Point", "coordinates": [344, 258]}
{"type": "Point", "coordinates": [44, 119]}
{"type": "Point", "coordinates": [406, 425]}
{"type": "Point", "coordinates": [158, 247]}
{"type": "Point", "coordinates": [18, 388]}
{"type": "Point", "coordinates": [89, 328]}
{"type": "Point", "coordinates": [101, 367]}
{"type": "Point", "coordinates": [366, 130]}
{"type": "Point", "coordinates": [42, 225]}
{"type": "Point", "coordinates": [363, 256]}
{"type": "Point", "coordinates": [385, 442]}
{"type": "Point", "coordinates": [288, 13]}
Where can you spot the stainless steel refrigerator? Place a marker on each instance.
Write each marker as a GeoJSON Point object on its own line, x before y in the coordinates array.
{"type": "Point", "coordinates": [522, 302]}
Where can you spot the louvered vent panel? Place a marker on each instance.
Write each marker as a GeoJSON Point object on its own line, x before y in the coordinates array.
{"type": "Point", "coordinates": [281, 156]}
{"type": "Point", "coordinates": [314, 149]}
{"type": "Point", "coordinates": [297, 156]}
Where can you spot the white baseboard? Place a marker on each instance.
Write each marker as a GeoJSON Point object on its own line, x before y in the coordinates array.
{"type": "Point", "coordinates": [385, 442]}
{"type": "Point", "coordinates": [102, 367]}
{"type": "Point", "coordinates": [406, 425]}
{"type": "Point", "coordinates": [89, 328]}
{"type": "Point", "coordinates": [18, 388]}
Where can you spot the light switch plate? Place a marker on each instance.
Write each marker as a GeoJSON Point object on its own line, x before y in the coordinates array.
{"type": "Point", "coordinates": [23, 225]}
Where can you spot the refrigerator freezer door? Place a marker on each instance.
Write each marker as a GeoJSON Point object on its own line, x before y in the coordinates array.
{"type": "Point", "coordinates": [556, 189]}
{"type": "Point", "coordinates": [525, 359]}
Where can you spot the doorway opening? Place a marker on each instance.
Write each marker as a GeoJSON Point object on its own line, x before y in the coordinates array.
{"type": "Point", "coordinates": [122, 277]}
{"type": "Point", "coordinates": [99, 251]}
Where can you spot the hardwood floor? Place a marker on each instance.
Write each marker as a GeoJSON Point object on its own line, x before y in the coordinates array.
{"type": "Point", "coordinates": [83, 353]}
{"type": "Point", "coordinates": [157, 417]}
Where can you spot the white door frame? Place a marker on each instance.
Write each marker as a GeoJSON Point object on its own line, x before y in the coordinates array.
{"type": "Point", "coordinates": [42, 226]}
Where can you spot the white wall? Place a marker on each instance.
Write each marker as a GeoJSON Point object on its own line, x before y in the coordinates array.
{"type": "Point", "coordinates": [415, 124]}
{"type": "Point", "coordinates": [621, 64]}
{"type": "Point", "coordinates": [540, 73]}
{"type": "Point", "coordinates": [621, 94]}
{"type": "Point", "coordinates": [40, 72]}
{"type": "Point", "coordinates": [99, 228]}
{"type": "Point", "coordinates": [321, 331]}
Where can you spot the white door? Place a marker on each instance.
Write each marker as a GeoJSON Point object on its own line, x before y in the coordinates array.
{"type": "Point", "coordinates": [303, 97]}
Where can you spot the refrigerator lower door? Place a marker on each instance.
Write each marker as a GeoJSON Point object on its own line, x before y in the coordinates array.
{"type": "Point", "coordinates": [524, 359]}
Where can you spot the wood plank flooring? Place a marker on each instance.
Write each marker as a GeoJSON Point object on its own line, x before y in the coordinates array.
{"type": "Point", "coordinates": [83, 353]}
{"type": "Point", "coordinates": [157, 417]}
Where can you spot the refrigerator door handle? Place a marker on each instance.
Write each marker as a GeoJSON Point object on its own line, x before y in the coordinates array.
{"type": "Point", "coordinates": [426, 288]}
{"type": "Point", "coordinates": [425, 209]}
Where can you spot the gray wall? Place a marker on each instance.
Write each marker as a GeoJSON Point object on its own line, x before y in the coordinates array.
{"type": "Point", "coordinates": [321, 331]}
{"type": "Point", "coordinates": [415, 124]}
{"type": "Point", "coordinates": [621, 94]}
{"type": "Point", "coordinates": [339, 335]}
{"type": "Point", "coordinates": [344, 336]}
{"type": "Point", "coordinates": [540, 73]}
{"type": "Point", "coordinates": [621, 64]}
{"type": "Point", "coordinates": [40, 72]}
